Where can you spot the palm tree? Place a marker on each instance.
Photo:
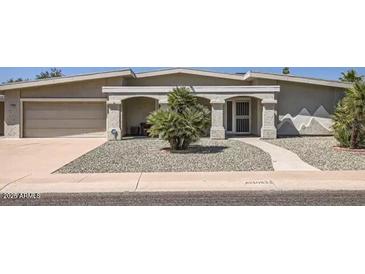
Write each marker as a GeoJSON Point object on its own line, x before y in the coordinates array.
{"type": "Point", "coordinates": [355, 100]}
{"type": "Point", "coordinates": [350, 76]}
{"type": "Point", "coordinates": [182, 123]}
{"type": "Point", "coordinates": [349, 118]}
{"type": "Point", "coordinates": [342, 121]}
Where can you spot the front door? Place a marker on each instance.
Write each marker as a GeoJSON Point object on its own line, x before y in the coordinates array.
{"type": "Point", "coordinates": [242, 117]}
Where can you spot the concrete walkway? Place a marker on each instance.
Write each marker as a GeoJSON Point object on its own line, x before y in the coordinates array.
{"type": "Point", "coordinates": [187, 181]}
{"type": "Point", "coordinates": [282, 159]}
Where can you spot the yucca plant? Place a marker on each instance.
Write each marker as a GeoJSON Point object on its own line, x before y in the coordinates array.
{"type": "Point", "coordinates": [349, 118]}
{"type": "Point", "coordinates": [184, 122]}
{"type": "Point", "coordinates": [342, 122]}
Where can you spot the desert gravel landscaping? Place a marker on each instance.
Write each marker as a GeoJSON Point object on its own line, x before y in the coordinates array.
{"type": "Point", "coordinates": [152, 155]}
{"type": "Point", "coordinates": [322, 153]}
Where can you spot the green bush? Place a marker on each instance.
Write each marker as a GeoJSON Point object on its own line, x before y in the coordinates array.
{"type": "Point", "coordinates": [343, 136]}
{"type": "Point", "coordinates": [184, 122]}
{"type": "Point", "coordinates": [342, 125]}
{"type": "Point", "coordinates": [349, 118]}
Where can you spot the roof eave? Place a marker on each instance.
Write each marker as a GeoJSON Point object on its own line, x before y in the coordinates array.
{"type": "Point", "coordinates": [191, 72]}
{"type": "Point", "coordinates": [257, 75]}
{"type": "Point", "coordinates": [68, 79]}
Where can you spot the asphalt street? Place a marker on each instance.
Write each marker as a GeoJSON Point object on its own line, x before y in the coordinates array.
{"type": "Point", "coordinates": [237, 198]}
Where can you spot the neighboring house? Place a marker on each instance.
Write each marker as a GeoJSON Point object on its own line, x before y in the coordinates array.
{"type": "Point", "coordinates": [114, 104]}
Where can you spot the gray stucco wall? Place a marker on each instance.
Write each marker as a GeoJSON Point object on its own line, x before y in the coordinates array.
{"type": "Point", "coordinates": [84, 89]}
{"type": "Point", "coordinates": [304, 109]}
{"type": "Point", "coordinates": [294, 97]}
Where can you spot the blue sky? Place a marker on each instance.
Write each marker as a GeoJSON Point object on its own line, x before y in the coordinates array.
{"type": "Point", "coordinates": [317, 72]}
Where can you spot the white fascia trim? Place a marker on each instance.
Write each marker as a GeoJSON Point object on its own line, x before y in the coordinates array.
{"type": "Point", "coordinates": [235, 89]}
{"type": "Point", "coordinates": [137, 89]}
{"type": "Point", "coordinates": [269, 101]}
{"type": "Point", "coordinates": [67, 79]}
{"type": "Point", "coordinates": [195, 89]}
{"type": "Point", "coordinates": [190, 71]}
{"type": "Point", "coordinates": [289, 78]}
{"type": "Point", "coordinates": [63, 99]}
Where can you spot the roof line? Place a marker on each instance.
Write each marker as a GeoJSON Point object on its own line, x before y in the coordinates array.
{"type": "Point", "coordinates": [299, 79]}
{"type": "Point", "coordinates": [249, 75]}
{"type": "Point", "coordinates": [191, 71]}
{"type": "Point", "coordinates": [68, 79]}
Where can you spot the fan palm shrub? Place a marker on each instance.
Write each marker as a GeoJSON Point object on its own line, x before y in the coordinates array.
{"type": "Point", "coordinates": [349, 118]}
{"type": "Point", "coordinates": [183, 123]}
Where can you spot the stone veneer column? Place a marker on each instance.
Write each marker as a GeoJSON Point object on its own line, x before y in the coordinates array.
{"type": "Point", "coordinates": [268, 130]}
{"type": "Point", "coordinates": [217, 130]}
{"type": "Point", "coordinates": [12, 114]}
{"type": "Point", "coordinates": [115, 116]}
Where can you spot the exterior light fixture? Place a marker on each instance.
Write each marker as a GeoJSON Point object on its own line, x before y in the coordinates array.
{"type": "Point", "coordinates": [115, 133]}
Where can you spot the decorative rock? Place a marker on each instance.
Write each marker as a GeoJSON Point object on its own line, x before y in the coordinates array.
{"type": "Point", "coordinates": [322, 153]}
{"type": "Point", "coordinates": [151, 155]}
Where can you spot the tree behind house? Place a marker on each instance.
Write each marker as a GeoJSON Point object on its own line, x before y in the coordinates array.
{"type": "Point", "coordinates": [54, 72]}
{"type": "Point", "coordinates": [12, 80]}
{"type": "Point", "coordinates": [286, 70]}
{"type": "Point", "coordinates": [350, 76]}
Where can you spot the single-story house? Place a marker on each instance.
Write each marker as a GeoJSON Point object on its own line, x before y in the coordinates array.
{"type": "Point", "coordinates": [115, 104]}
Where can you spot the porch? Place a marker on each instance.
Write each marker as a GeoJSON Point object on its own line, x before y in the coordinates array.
{"type": "Point", "coordinates": [235, 110]}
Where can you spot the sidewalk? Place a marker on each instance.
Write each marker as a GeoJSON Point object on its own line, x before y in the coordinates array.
{"type": "Point", "coordinates": [189, 181]}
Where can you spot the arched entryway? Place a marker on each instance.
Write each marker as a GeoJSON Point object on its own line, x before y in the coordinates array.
{"type": "Point", "coordinates": [135, 113]}
{"type": "Point", "coordinates": [242, 116]}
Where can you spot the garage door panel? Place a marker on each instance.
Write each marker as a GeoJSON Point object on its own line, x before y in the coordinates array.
{"type": "Point", "coordinates": [76, 133]}
{"type": "Point", "coordinates": [55, 111]}
{"type": "Point", "coordinates": [59, 124]}
{"type": "Point", "coordinates": [61, 105]}
{"type": "Point", "coordinates": [56, 119]}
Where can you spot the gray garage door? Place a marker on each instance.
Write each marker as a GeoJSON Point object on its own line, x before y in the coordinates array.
{"type": "Point", "coordinates": [55, 119]}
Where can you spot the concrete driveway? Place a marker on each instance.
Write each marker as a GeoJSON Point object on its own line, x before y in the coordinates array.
{"type": "Point", "coordinates": [24, 157]}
